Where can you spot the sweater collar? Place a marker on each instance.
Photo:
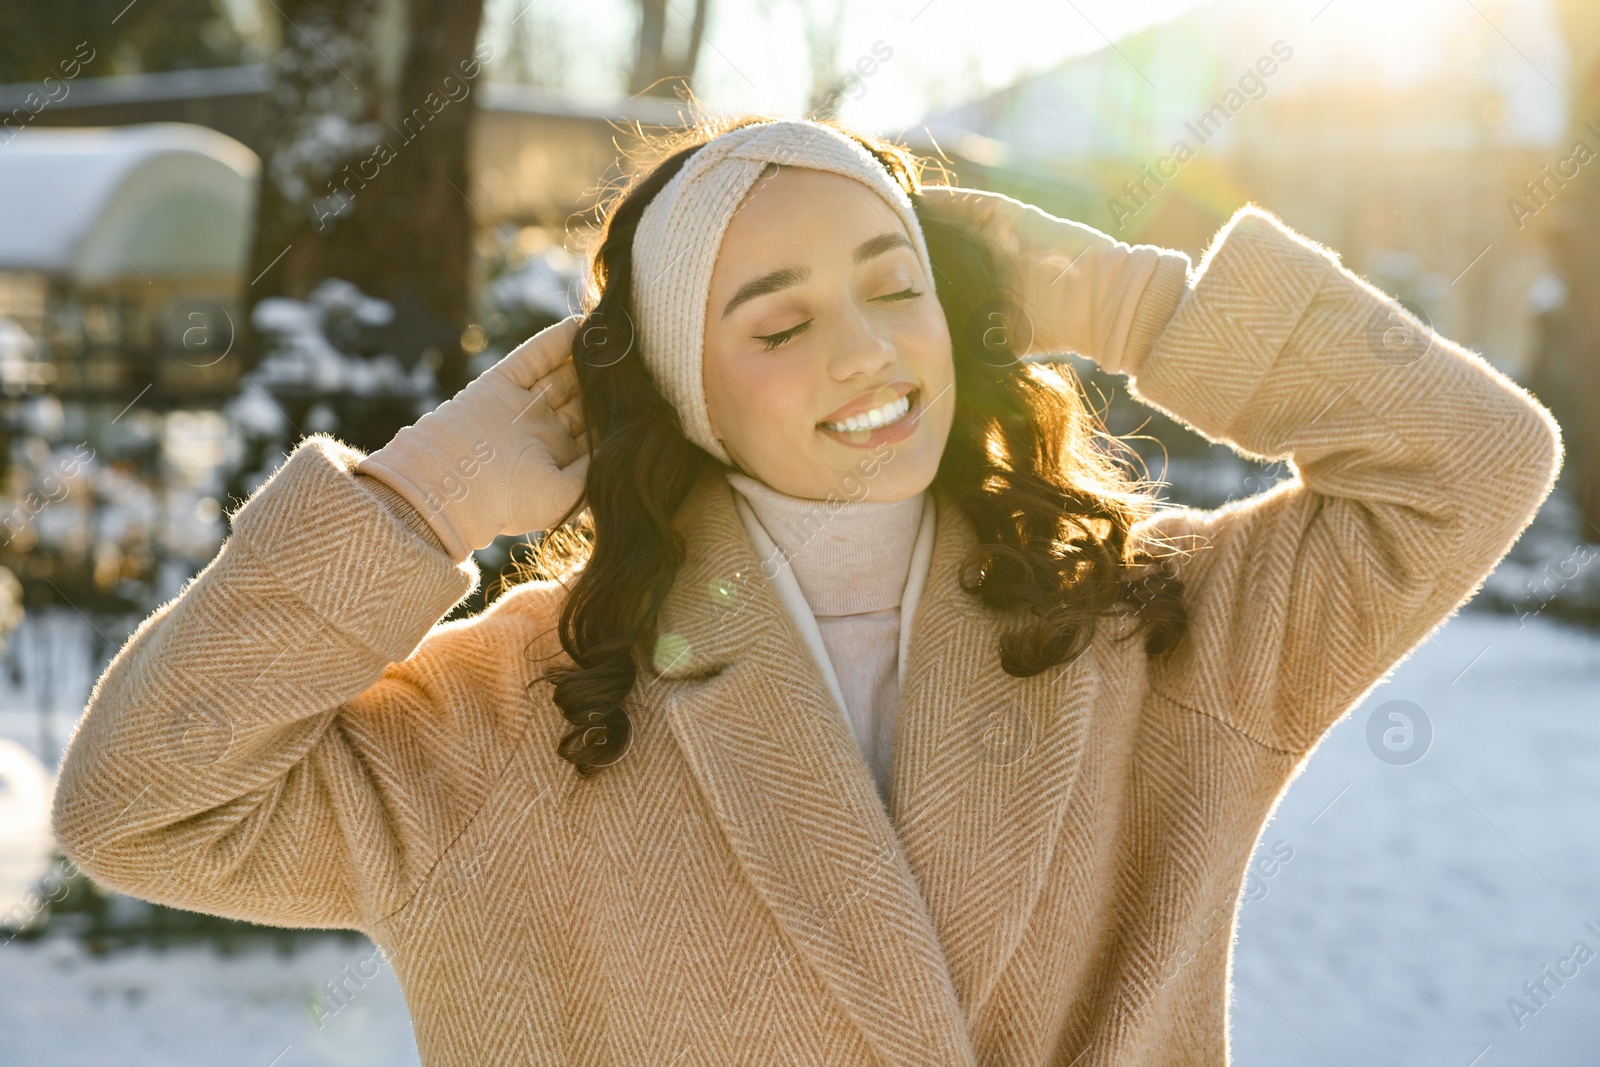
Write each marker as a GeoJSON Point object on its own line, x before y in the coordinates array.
{"type": "Point", "coordinates": [848, 556]}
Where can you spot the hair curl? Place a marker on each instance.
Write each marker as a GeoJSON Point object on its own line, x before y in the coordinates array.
{"type": "Point", "coordinates": [1052, 510]}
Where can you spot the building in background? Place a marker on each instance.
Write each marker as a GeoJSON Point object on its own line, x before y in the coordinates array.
{"type": "Point", "coordinates": [120, 254]}
{"type": "Point", "coordinates": [538, 158]}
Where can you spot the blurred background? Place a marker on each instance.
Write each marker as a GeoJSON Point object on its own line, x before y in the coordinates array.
{"type": "Point", "coordinates": [225, 224]}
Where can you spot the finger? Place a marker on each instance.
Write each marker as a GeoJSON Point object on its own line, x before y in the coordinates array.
{"type": "Point", "coordinates": [558, 429]}
{"type": "Point", "coordinates": [577, 470]}
{"type": "Point", "coordinates": [557, 387]}
{"type": "Point", "coordinates": [540, 354]}
{"type": "Point", "coordinates": [571, 413]}
{"type": "Point", "coordinates": [565, 450]}
{"type": "Point", "coordinates": [531, 405]}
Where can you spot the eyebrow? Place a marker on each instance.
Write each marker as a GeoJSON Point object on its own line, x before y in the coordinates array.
{"type": "Point", "coordinates": [784, 277]}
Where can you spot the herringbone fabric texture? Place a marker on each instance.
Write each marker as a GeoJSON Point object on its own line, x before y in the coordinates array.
{"type": "Point", "coordinates": [297, 740]}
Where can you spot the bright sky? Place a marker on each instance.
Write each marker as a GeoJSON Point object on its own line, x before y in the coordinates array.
{"type": "Point", "coordinates": [943, 52]}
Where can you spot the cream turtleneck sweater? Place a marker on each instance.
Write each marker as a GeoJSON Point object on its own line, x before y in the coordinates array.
{"type": "Point", "coordinates": [857, 564]}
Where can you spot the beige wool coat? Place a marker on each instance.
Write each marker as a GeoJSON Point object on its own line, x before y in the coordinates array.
{"type": "Point", "coordinates": [296, 739]}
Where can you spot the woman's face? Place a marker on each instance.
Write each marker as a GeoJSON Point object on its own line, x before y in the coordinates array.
{"type": "Point", "coordinates": [827, 357]}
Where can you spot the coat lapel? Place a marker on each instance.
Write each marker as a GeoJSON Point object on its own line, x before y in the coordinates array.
{"type": "Point", "coordinates": [985, 763]}
{"type": "Point", "coordinates": [776, 760]}
{"type": "Point", "coordinates": [910, 928]}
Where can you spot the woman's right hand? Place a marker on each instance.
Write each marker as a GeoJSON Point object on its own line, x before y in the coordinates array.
{"type": "Point", "coordinates": [505, 455]}
{"type": "Point", "coordinates": [1081, 290]}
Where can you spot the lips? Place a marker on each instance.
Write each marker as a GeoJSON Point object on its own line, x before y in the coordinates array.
{"type": "Point", "coordinates": [882, 416]}
{"type": "Point", "coordinates": [873, 398]}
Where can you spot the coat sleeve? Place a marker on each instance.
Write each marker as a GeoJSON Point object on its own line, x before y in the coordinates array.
{"type": "Point", "coordinates": [295, 738]}
{"type": "Point", "coordinates": [1415, 466]}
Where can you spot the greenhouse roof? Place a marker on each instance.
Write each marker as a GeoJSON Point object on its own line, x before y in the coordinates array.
{"type": "Point", "coordinates": [100, 204]}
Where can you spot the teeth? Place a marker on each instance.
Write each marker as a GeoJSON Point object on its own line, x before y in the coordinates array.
{"type": "Point", "coordinates": [871, 420]}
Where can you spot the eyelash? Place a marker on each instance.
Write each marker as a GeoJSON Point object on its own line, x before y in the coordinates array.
{"type": "Point", "coordinates": [773, 340]}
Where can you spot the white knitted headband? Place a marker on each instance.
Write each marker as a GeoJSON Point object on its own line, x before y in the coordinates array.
{"type": "Point", "coordinates": [681, 230]}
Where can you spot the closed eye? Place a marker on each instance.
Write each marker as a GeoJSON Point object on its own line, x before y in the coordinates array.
{"type": "Point", "coordinates": [773, 340]}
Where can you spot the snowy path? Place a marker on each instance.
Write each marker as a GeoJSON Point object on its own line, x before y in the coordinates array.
{"type": "Point", "coordinates": [191, 1006]}
{"type": "Point", "coordinates": [1416, 900]}
{"type": "Point", "coordinates": [1421, 897]}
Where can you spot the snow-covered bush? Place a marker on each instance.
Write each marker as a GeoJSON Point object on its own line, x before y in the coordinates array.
{"type": "Point", "coordinates": [540, 290]}
{"type": "Point", "coordinates": [322, 372]}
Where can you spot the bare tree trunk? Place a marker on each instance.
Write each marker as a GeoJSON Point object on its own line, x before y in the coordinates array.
{"type": "Point", "coordinates": [648, 45]}
{"type": "Point", "coordinates": [322, 109]}
{"type": "Point", "coordinates": [697, 33]}
{"type": "Point", "coordinates": [385, 206]}
{"type": "Point", "coordinates": [656, 72]}
{"type": "Point", "coordinates": [824, 31]}
{"type": "Point", "coordinates": [1566, 374]}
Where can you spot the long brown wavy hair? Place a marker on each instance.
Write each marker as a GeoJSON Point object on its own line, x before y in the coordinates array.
{"type": "Point", "coordinates": [1023, 462]}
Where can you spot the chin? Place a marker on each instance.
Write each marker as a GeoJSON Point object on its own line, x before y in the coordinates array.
{"type": "Point", "coordinates": [884, 477]}
{"type": "Point", "coordinates": [906, 485]}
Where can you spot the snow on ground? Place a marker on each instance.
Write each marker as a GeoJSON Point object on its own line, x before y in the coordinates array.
{"type": "Point", "coordinates": [46, 671]}
{"type": "Point", "coordinates": [60, 1007]}
{"type": "Point", "coordinates": [1421, 897]}
{"type": "Point", "coordinates": [1407, 904]}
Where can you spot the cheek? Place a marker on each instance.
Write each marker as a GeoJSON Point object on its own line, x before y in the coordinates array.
{"type": "Point", "coordinates": [928, 337]}
{"type": "Point", "coordinates": [761, 395]}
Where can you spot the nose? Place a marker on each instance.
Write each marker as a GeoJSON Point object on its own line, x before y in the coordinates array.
{"type": "Point", "coordinates": [862, 347]}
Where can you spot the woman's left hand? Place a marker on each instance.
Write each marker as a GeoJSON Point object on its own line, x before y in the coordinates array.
{"type": "Point", "coordinates": [1079, 290]}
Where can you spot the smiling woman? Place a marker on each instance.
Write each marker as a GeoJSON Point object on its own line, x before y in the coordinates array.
{"type": "Point", "coordinates": [911, 795]}
{"type": "Point", "coordinates": [788, 291]}
{"type": "Point", "coordinates": [857, 334]}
